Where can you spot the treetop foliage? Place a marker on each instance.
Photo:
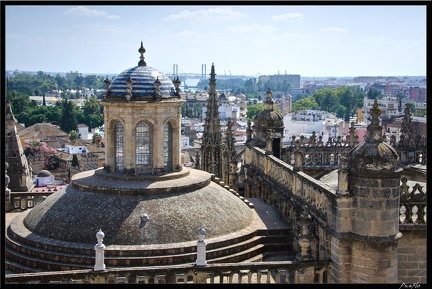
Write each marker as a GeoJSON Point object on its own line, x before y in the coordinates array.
{"type": "Point", "coordinates": [64, 113]}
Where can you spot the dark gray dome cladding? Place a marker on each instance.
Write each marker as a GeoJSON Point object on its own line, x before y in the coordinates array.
{"type": "Point", "coordinates": [74, 215]}
{"type": "Point", "coordinates": [143, 78]}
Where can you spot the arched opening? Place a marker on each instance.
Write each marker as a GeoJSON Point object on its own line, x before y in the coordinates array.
{"type": "Point", "coordinates": [143, 148]}
{"type": "Point", "coordinates": [276, 147]}
{"type": "Point", "coordinates": [119, 146]}
{"type": "Point", "coordinates": [168, 146]}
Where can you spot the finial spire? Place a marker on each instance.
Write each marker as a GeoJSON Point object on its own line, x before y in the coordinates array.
{"type": "Point", "coordinates": [268, 104]}
{"type": "Point", "coordinates": [374, 128]}
{"type": "Point", "coordinates": [141, 50]}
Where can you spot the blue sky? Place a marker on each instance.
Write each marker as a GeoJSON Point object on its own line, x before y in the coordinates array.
{"type": "Point", "coordinates": [313, 40]}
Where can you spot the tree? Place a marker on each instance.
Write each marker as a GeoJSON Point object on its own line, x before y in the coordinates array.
{"type": "Point", "coordinates": [97, 138]}
{"type": "Point", "coordinates": [374, 93]}
{"type": "Point", "coordinates": [92, 106]}
{"type": "Point", "coordinates": [49, 155]}
{"type": "Point", "coordinates": [94, 120]}
{"type": "Point", "coordinates": [305, 104]}
{"type": "Point", "coordinates": [68, 121]}
{"type": "Point", "coordinates": [251, 86]}
{"type": "Point", "coordinates": [20, 102]}
{"type": "Point", "coordinates": [73, 135]}
{"type": "Point", "coordinates": [253, 110]}
{"type": "Point", "coordinates": [75, 161]}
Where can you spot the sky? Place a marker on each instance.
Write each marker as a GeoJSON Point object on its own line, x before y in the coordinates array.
{"type": "Point", "coordinates": [310, 40]}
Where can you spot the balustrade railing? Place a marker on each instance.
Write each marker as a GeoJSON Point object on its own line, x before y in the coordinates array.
{"type": "Point", "coordinates": [27, 200]}
{"type": "Point", "coordinates": [285, 272]}
{"type": "Point", "coordinates": [413, 205]}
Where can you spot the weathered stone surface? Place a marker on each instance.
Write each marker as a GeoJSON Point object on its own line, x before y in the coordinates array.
{"type": "Point", "coordinates": [75, 215]}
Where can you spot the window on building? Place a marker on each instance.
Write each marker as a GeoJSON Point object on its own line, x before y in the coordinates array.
{"type": "Point", "coordinates": [143, 148]}
{"type": "Point", "coordinates": [168, 131]}
{"type": "Point", "coordinates": [119, 147]}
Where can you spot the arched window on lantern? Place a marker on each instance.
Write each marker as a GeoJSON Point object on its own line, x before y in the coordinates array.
{"type": "Point", "coordinates": [119, 146]}
{"type": "Point", "coordinates": [143, 148]}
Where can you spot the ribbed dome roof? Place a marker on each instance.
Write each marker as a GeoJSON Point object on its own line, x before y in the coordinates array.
{"type": "Point", "coordinates": [143, 82]}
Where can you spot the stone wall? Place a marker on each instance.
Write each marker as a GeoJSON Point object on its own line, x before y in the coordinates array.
{"type": "Point", "coordinates": [412, 257]}
{"type": "Point", "coordinates": [358, 231]}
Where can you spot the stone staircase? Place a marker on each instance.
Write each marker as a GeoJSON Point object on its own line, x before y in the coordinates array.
{"type": "Point", "coordinates": [36, 254]}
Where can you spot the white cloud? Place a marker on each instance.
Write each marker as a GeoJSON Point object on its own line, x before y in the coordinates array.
{"type": "Point", "coordinates": [251, 28]}
{"type": "Point", "coordinates": [333, 30]}
{"type": "Point", "coordinates": [207, 15]}
{"type": "Point", "coordinates": [86, 12]}
{"type": "Point", "coordinates": [288, 17]}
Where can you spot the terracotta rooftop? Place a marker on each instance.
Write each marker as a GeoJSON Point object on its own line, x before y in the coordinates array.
{"type": "Point", "coordinates": [42, 131]}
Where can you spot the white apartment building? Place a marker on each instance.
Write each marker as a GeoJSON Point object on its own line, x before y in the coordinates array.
{"type": "Point", "coordinates": [389, 106]}
{"type": "Point", "coordinates": [306, 122]}
{"type": "Point", "coordinates": [225, 111]}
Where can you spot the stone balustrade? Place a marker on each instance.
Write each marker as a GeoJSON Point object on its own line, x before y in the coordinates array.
{"type": "Point", "coordinates": [316, 194]}
{"type": "Point", "coordinates": [245, 272]}
{"type": "Point", "coordinates": [413, 203]}
{"type": "Point", "coordinates": [27, 200]}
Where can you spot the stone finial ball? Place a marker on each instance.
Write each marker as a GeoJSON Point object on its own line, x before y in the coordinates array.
{"type": "Point", "coordinates": [201, 231]}
{"type": "Point", "coordinates": [100, 234]}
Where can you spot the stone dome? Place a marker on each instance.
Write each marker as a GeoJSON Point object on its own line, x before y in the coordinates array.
{"type": "Point", "coordinates": [268, 118]}
{"type": "Point", "coordinates": [139, 210]}
{"type": "Point", "coordinates": [43, 174]}
{"type": "Point", "coordinates": [373, 155]}
{"type": "Point", "coordinates": [372, 158]}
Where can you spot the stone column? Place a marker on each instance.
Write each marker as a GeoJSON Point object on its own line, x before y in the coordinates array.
{"type": "Point", "coordinates": [99, 248]}
{"type": "Point", "coordinates": [343, 178]}
{"type": "Point", "coordinates": [158, 146]}
{"type": "Point", "coordinates": [109, 146]}
{"type": "Point", "coordinates": [176, 147]}
{"type": "Point", "coordinates": [128, 138]}
{"type": "Point", "coordinates": [201, 248]}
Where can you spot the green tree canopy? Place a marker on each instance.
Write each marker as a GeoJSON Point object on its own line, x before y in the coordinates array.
{"type": "Point", "coordinates": [68, 121]}
{"type": "Point", "coordinates": [373, 93]}
{"type": "Point", "coordinates": [305, 104]}
{"type": "Point", "coordinates": [254, 109]}
{"type": "Point", "coordinates": [73, 135]}
{"type": "Point", "coordinates": [92, 106]}
{"type": "Point", "coordinates": [75, 162]}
